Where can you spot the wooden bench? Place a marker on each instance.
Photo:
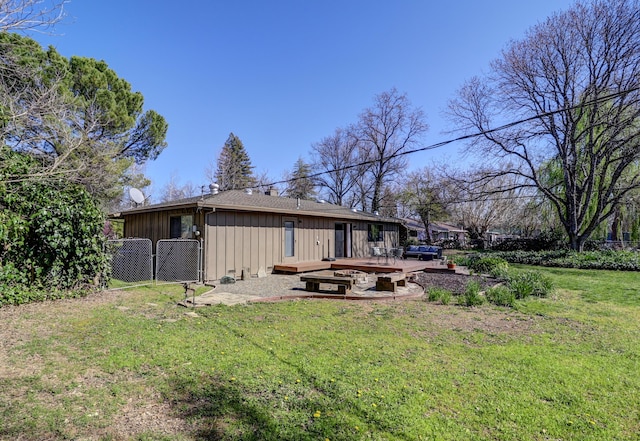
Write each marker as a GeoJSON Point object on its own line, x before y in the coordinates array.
{"type": "Point", "coordinates": [391, 282]}
{"type": "Point", "coordinates": [313, 282]}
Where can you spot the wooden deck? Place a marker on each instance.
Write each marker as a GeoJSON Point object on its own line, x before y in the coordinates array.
{"type": "Point", "coordinates": [301, 267]}
{"type": "Point", "coordinates": [368, 265]}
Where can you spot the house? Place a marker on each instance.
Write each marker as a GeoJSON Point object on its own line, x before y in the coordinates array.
{"type": "Point", "coordinates": [243, 232]}
{"type": "Point", "coordinates": [445, 232]}
{"type": "Point", "coordinates": [415, 230]}
{"type": "Point", "coordinates": [440, 232]}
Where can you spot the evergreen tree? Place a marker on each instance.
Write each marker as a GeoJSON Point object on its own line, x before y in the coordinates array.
{"type": "Point", "coordinates": [234, 170]}
{"type": "Point", "coordinates": [300, 185]}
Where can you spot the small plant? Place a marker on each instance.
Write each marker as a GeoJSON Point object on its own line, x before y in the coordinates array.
{"type": "Point", "coordinates": [472, 295]}
{"type": "Point", "coordinates": [529, 283]}
{"type": "Point", "coordinates": [434, 294]}
{"type": "Point", "coordinates": [500, 271]}
{"type": "Point", "coordinates": [501, 296]}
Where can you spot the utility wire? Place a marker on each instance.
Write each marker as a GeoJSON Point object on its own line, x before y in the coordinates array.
{"type": "Point", "coordinates": [459, 138]}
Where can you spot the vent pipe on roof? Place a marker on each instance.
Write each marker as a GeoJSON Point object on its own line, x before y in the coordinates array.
{"type": "Point", "coordinates": [248, 191]}
{"type": "Point", "coordinates": [214, 188]}
{"type": "Point", "coordinates": [297, 203]}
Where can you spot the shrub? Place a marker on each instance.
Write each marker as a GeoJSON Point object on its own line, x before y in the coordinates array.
{"type": "Point", "coordinates": [607, 260]}
{"type": "Point", "coordinates": [435, 293]}
{"type": "Point", "coordinates": [472, 295]}
{"type": "Point", "coordinates": [529, 283]}
{"type": "Point", "coordinates": [51, 237]}
{"type": "Point", "coordinates": [486, 264]}
{"type": "Point", "coordinates": [501, 296]}
{"type": "Point", "coordinates": [500, 271]}
{"type": "Point", "coordinates": [549, 240]}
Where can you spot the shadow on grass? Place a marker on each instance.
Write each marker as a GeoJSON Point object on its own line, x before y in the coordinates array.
{"type": "Point", "coordinates": [222, 410]}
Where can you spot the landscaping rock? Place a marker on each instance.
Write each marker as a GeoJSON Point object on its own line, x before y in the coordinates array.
{"type": "Point", "coordinates": [227, 280]}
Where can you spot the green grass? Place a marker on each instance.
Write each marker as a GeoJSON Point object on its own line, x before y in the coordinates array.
{"type": "Point", "coordinates": [564, 367]}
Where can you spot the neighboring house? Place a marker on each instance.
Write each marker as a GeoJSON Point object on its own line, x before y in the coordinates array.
{"type": "Point", "coordinates": [242, 232]}
{"type": "Point", "coordinates": [441, 231]}
{"type": "Point", "coordinates": [415, 230]}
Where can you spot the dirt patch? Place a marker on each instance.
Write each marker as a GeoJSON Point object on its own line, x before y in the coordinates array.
{"type": "Point", "coordinates": [454, 282]}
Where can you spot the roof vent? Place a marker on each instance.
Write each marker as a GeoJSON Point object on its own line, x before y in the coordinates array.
{"type": "Point", "coordinates": [214, 188]}
{"type": "Point", "coordinates": [376, 213]}
{"type": "Point", "coordinates": [354, 209]}
{"type": "Point", "coordinates": [248, 191]}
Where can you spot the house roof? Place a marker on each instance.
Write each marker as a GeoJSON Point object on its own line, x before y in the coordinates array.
{"type": "Point", "coordinates": [439, 226]}
{"type": "Point", "coordinates": [239, 200]}
{"type": "Point", "coordinates": [413, 224]}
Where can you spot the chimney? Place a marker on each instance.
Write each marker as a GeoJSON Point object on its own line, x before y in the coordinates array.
{"type": "Point", "coordinates": [272, 192]}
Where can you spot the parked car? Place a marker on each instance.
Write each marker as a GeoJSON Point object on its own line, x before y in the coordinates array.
{"type": "Point", "coordinates": [423, 252]}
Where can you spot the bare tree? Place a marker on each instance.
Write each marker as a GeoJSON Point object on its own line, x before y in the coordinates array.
{"type": "Point", "coordinates": [23, 15]}
{"type": "Point", "coordinates": [173, 190]}
{"type": "Point", "coordinates": [362, 192]}
{"type": "Point", "coordinates": [422, 193]}
{"type": "Point", "coordinates": [574, 82]}
{"type": "Point", "coordinates": [479, 205]}
{"type": "Point", "coordinates": [333, 157]}
{"type": "Point", "coordinates": [385, 131]}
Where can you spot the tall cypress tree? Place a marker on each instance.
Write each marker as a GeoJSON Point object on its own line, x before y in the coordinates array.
{"type": "Point", "coordinates": [234, 170]}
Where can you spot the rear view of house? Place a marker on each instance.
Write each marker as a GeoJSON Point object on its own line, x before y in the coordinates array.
{"type": "Point", "coordinates": [243, 233]}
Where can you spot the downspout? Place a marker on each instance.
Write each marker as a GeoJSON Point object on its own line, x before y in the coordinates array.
{"type": "Point", "coordinates": [204, 241]}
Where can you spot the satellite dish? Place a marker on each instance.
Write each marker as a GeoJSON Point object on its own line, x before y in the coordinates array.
{"type": "Point", "coordinates": [136, 195]}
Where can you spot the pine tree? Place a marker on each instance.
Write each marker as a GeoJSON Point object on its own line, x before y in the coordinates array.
{"type": "Point", "coordinates": [234, 170]}
{"type": "Point", "coordinates": [300, 184]}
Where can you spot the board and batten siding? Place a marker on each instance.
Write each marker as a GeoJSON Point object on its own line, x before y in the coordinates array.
{"type": "Point", "coordinates": [155, 225]}
{"type": "Point", "coordinates": [241, 243]}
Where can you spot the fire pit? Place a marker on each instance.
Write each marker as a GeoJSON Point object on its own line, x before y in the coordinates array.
{"type": "Point", "coordinates": [357, 276]}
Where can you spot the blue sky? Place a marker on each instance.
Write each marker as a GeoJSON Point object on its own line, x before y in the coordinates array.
{"type": "Point", "coordinates": [283, 74]}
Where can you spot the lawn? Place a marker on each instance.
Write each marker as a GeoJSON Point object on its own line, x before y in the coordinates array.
{"type": "Point", "coordinates": [132, 365]}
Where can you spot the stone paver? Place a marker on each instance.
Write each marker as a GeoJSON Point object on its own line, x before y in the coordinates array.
{"type": "Point", "coordinates": [283, 285]}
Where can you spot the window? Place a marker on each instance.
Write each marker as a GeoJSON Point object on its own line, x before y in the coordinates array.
{"type": "Point", "coordinates": [375, 233]}
{"type": "Point", "coordinates": [289, 239]}
{"type": "Point", "coordinates": [180, 227]}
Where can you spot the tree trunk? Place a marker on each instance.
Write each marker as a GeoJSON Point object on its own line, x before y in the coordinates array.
{"type": "Point", "coordinates": [426, 220]}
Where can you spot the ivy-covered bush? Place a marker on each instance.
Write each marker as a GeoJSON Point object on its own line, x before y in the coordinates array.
{"type": "Point", "coordinates": [51, 236]}
{"type": "Point", "coordinates": [485, 264]}
{"type": "Point", "coordinates": [608, 259]}
{"type": "Point", "coordinates": [549, 240]}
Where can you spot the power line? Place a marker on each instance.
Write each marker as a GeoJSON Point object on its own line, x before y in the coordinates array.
{"type": "Point", "coordinates": [458, 139]}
